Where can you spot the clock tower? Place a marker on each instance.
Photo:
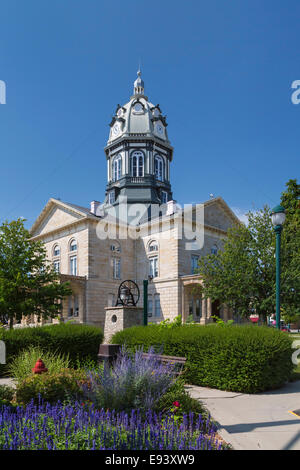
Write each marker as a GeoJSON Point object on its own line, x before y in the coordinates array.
{"type": "Point", "coordinates": [138, 153]}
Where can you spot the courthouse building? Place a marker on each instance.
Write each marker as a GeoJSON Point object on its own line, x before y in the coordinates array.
{"type": "Point", "coordinates": [138, 232]}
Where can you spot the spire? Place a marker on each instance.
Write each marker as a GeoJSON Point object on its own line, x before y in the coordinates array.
{"type": "Point", "coordinates": [138, 84]}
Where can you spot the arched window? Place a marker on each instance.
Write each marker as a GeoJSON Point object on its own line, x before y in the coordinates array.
{"type": "Point", "coordinates": [153, 246]}
{"type": "Point", "coordinates": [115, 246]}
{"type": "Point", "coordinates": [73, 245]}
{"type": "Point", "coordinates": [159, 168]}
{"type": "Point", "coordinates": [214, 250]}
{"type": "Point", "coordinates": [117, 168]}
{"type": "Point", "coordinates": [137, 163]}
{"type": "Point", "coordinates": [56, 250]}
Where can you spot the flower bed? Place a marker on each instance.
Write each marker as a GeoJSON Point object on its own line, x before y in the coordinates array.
{"type": "Point", "coordinates": [149, 408]}
{"type": "Point", "coordinates": [78, 427]}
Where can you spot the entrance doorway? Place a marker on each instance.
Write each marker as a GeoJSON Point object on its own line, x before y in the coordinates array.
{"type": "Point", "coordinates": [215, 309]}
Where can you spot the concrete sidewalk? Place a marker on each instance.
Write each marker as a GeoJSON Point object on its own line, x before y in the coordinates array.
{"type": "Point", "coordinates": [255, 422]}
{"type": "Point", "coordinates": [8, 381]}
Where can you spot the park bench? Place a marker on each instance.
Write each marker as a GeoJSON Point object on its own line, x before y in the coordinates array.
{"type": "Point", "coordinates": [108, 352]}
{"type": "Point", "coordinates": [178, 361]}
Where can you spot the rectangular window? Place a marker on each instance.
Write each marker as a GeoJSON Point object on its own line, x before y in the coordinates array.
{"type": "Point", "coordinates": [153, 267]}
{"type": "Point", "coordinates": [116, 268]}
{"type": "Point", "coordinates": [194, 264]}
{"type": "Point", "coordinates": [157, 305]}
{"type": "Point", "coordinates": [56, 266]}
{"type": "Point", "coordinates": [150, 307]}
{"type": "Point", "coordinates": [111, 197]}
{"type": "Point", "coordinates": [73, 265]}
{"type": "Point", "coordinates": [141, 166]}
{"type": "Point", "coordinates": [164, 197]}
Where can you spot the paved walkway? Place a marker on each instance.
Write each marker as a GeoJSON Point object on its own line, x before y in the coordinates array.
{"type": "Point", "coordinates": [8, 381]}
{"type": "Point", "coordinates": [252, 422]}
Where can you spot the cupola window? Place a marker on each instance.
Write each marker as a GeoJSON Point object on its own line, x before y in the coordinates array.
{"type": "Point", "coordinates": [137, 164]}
{"type": "Point", "coordinates": [159, 168]}
{"type": "Point", "coordinates": [164, 197]}
{"type": "Point", "coordinates": [117, 168]}
{"type": "Point", "coordinates": [111, 197]}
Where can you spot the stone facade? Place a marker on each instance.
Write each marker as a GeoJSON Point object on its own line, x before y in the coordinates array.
{"type": "Point", "coordinates": [95, 285]}
{"type": "Point", "coordinates": [95, 250]}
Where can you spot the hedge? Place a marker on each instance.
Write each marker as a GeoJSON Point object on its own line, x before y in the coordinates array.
{"type": "Point", "coordinates": [247, 359]}
{"type": "Point", "coordinates": [78, 341]}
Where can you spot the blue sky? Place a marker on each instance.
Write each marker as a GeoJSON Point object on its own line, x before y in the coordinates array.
{"type": "Point", "coordinates": [220, 70]}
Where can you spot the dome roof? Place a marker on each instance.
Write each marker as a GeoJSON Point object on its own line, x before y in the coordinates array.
{"type": "Point", "coordinates": [138, 117]}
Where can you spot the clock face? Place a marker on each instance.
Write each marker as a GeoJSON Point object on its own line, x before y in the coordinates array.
{"type": "Point", "coordinates": [116, 129]}
{"type": "Point", "coordinates": [138, 107]}
{"type": "Point", "coordinates": [160, 129]}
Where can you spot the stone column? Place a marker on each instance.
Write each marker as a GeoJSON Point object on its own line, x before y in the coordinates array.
{"type": "Point", "coordinates": [81, 305]}
{"type": "Point", "coordinates": [203, 320]}
{"type": "Point", "coordinates": [65, 307]}
{"type": "Point", "coordinates": [225, 313]}
{"type": "Point", "coordinates": [209, 309]}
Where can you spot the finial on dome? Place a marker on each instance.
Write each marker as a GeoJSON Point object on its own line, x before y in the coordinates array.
{"type": "Point", "coordinates": [138, 84]}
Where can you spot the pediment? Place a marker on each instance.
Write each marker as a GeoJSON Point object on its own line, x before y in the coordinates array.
{"type": "Point", "coordinates": [219, 215]}
{"type": "Point", "coordinates": [55, 216]}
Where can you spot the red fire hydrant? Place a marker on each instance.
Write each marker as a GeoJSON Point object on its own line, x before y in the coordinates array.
{"type": "Point", "coordinates": [39, 367]}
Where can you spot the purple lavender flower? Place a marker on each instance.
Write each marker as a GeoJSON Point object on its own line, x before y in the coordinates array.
{"type": "Point", "coordinates": [57, 426]}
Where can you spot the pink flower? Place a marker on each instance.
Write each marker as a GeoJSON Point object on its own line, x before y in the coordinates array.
{"type": "Point", "coordinates": [176, 403]}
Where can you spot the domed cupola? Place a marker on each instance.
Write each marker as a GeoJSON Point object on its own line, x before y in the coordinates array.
{"type": "Point", "coordinates": [138, 117]}
{"type": "Point", "coordinates": [138, 152]}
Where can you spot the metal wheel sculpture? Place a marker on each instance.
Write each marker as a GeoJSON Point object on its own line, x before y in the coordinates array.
{"type": "Point", "coordinates": [128, 293]}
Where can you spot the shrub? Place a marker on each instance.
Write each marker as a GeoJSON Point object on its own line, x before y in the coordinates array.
{"type": "Point", "coordinates": [6, 394]}
{"type": "Point", "coordinates": [177, 394]}
{"type": "Point", "coordinates": [246, 359]}
{"type": "Point", "coordinates": [132, 382]}
{"type": "Point", "coordinates": [79, 342]}
{"type": "Point", "coordinates": [22, 365]}
{"type": "Point", "coordinates": [62, 386]}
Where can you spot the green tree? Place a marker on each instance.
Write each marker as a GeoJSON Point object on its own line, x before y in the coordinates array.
{"type": "Point", "coordinates": [242, 275]}
{"type": "Point", "coordinates": [28, 283]}
{"type": "Point", "coordinates": [290, 200]}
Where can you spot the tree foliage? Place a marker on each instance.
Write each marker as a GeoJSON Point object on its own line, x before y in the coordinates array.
{"type": "Point", "coordinates": [28, 282]}
{"type": "Point", "coordinates": [243, 274]}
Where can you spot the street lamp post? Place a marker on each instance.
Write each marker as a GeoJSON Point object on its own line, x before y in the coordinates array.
{"type": "Point", "coordinates": [145, 285]}
{"type": "Point", "coordinates": [278, 218]}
